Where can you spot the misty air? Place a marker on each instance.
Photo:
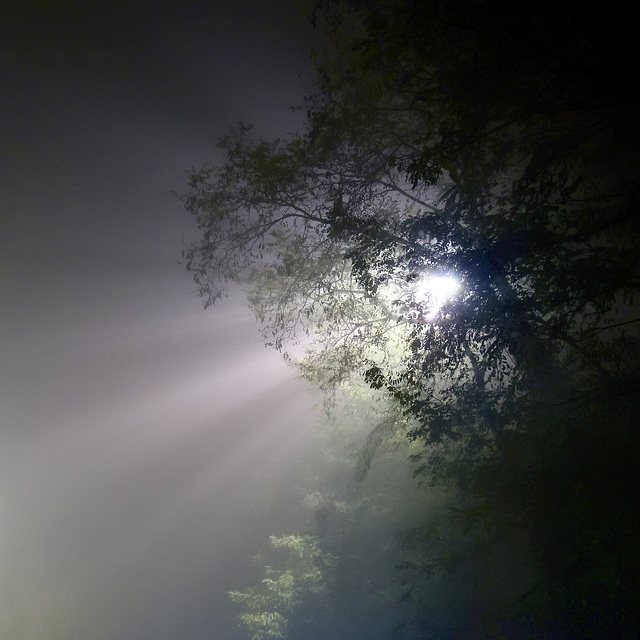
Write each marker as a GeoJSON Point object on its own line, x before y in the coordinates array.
{"type": "Point", "coordinates": [319, 321]}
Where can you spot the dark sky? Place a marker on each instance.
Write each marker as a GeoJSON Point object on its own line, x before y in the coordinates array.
{"type": "Point", "coordinates": [147, 447]}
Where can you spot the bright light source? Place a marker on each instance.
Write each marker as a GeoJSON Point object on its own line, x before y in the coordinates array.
{"type": "Point", "coordinates": [425, 295]}
{"type": "Point", "coordinates": [435, 291]}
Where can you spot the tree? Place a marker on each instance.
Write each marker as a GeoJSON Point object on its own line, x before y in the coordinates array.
{"type": "Point", "coordinates": [477, 141]}
{"type": "Point", "coordinates": [268, 605]}
{"type": "Point", "coordinates": [338, 577]}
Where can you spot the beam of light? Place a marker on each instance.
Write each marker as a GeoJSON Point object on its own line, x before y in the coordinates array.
{"type": "Point", "coordinates": [155, 456]}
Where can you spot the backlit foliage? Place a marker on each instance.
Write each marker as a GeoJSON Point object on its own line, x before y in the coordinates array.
{"type": "Point", "coordinates": [497, 145]}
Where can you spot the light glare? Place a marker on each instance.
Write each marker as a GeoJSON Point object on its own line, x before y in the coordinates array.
{"type": "Point", "coordinates": [435, 291]}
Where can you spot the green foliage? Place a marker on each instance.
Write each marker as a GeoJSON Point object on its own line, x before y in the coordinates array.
{"type": "Point", "coordinates": [345, 578]}
{"type": "Point", "coordinates": [303, 575]}
{"type": "Point", "coordinates": [477, 140]}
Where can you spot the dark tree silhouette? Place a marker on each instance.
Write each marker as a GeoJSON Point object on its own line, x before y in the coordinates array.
{"type": "Point", "coordinates": [500, 146]}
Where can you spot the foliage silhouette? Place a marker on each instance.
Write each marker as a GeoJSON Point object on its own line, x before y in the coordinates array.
{"type": "Point", "coordinates": [477, 140]}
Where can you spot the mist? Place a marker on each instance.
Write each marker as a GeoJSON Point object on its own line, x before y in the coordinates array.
{"type": "Point", "coordinates": [148, 447]}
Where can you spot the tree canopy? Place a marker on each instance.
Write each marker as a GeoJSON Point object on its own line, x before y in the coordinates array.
{"type": "Point", "coordinates": [479, 142]}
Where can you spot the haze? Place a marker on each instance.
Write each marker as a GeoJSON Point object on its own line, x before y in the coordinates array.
{"type": "Point", "coordinates": [148, 447]}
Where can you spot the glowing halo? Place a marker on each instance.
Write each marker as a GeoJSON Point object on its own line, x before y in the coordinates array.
{"type": "Point", "coordinates": [434, 291]}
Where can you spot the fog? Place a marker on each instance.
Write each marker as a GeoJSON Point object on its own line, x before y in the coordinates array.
{"type": "Point", "coordinates": [139, 473]}
{"type": "Point", "coordinates": [148, 447]}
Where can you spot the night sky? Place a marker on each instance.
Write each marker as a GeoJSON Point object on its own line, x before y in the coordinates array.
{"type": "Point", "coordinates": [148, 447]}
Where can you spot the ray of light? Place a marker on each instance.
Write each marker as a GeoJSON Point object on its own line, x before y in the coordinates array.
{"type": "Point", "coordinates": [142, 483]}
